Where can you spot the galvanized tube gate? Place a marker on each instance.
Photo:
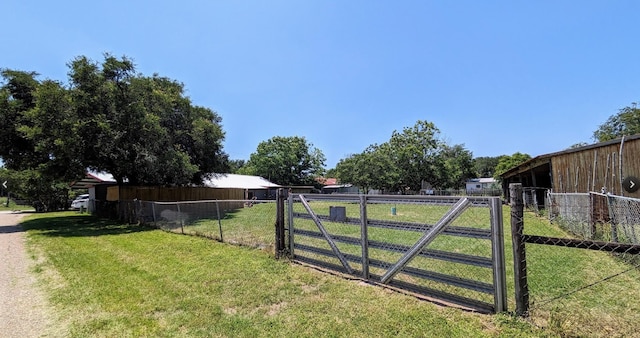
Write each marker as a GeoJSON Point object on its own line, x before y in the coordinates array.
{"type": "Point", "coordinates": [449, 249]}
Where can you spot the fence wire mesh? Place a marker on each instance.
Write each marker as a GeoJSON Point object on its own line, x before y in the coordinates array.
{"type": "Point", "coordinates": [457, 262]}
{"type": "Point", "coordinates": [584, 277]}
{"type": "Point", "coordinates": [597, 216]}
{"type": "Point", "coordinates": [243, 222]}
{"type": "Point", "coordinates": [534, 199]}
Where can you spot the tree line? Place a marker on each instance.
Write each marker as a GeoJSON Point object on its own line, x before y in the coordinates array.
{"type": "Point", "coordinates": [144, 130]}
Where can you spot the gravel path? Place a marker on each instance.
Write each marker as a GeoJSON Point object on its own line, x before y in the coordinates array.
{"type": "Point", "coordinates": [24, 311]}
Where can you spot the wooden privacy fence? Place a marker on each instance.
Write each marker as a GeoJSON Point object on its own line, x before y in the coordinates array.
{"type": "Point", "coordinates": [121, 201]}
{"type": "Point", "coordinates": [162, 194]}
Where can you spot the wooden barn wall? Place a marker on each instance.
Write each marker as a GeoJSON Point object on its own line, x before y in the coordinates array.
{"type": "Point", "coordinates": [159, 194]}
{"type": "Point", "coordinates": [592, 169]}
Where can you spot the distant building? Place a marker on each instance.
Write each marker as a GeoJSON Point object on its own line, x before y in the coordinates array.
{"type": "Point", "coordinates": [330, 185]}
{"type": "Point", "coordinates": [96, 184]}
{"type": "Point", "coordinates": [254, 186]}
{"type": "Point", "coordinates": [340, 189]}
{"type": "Point", "coordinates": [482, 186]}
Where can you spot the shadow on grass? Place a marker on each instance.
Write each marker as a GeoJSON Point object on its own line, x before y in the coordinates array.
{"type": "Point", "coordinates": [81, 226]}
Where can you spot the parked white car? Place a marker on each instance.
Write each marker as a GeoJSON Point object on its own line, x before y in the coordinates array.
{"type": "Point", "coordinates": [81, 202]}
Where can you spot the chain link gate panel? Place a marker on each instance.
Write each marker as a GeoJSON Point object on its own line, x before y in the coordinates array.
{"type": "Point", "coordinates": [447, 248]}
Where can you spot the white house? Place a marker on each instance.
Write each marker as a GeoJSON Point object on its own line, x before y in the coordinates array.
{"type": "Point", "coordinates": [481, 185]}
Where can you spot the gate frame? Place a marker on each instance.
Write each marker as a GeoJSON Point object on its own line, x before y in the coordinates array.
{"type": "Point", "coordinates": [497, 238]}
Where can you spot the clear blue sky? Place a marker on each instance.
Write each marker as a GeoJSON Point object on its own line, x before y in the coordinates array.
{"type": "Point", "coordinates": [497, 76]}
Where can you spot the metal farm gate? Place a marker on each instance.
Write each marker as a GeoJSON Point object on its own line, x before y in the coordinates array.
{"type": "Point", "coordinates": [448, 249]}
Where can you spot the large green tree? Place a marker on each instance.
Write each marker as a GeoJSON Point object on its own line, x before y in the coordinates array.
{"type": "Point", "coordinates": [371, 169]}
{"type": "Point", "coordinates": [286, 161]}
{"type": "Point", "coordinates": [38, 167]}
{"type": "Point", "coordinates": [507, 162]}
{"type": "Point", "coordinates": [17, 97]}
{"type": "Point", "coordinates": [143, 130]}
{"type": "Point", "coordinates": [625, 122]}
{"type": "Point", "coordinates": [412, 156]}
{"type": "Point", "coordinates": [236, 165]}
{"type": "Point", "coordinates": [485, 166]}
{"type": "Point", "coordinates": [457, 166]}
{"type": "Point", "coordinates": [415, 152]}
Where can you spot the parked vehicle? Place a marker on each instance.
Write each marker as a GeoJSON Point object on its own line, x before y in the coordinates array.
{"type": "Point", "coordinates": [81, 202]}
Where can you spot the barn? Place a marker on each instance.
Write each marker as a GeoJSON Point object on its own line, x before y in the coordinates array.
{"type": "Point", "coordinates": [599, 167]}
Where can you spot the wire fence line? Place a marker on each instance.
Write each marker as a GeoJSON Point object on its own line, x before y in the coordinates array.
{"type": "Point", "coordinates": [242, 222]}
{"type": "Point", "coordinates": [534, 199]}
{"type": "Point", "coordinates": [594, 286]}
{"type": "Point", "coordinates": [464, 263]}
{"type": "Point", "coordinates": [597, 216]}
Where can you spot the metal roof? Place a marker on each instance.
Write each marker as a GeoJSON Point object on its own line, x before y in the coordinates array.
{"type": "Point", "coordinates": [239, 181]}
{"type": "Point", "coordinates": [337, 186]}
{"type": "Point", "coordinates": [482, 180]}
{"type": "Point", "coordinates": [92, 179]}
{"type": "Point", "coordinates": [546, 158]}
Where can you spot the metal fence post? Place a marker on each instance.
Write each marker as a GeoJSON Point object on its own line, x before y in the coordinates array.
{"type": "Point", "coordinates": [498, 256]}
{"type": "Point", "coordinates": [180, 218]}
{"type": "Point", "coordinates": [219, 221]}
{"type": "Point", "coordinates": [364, 236]}
{"type": "Point", "coordinates": [153, 211]}
{"type": "Point", "coordinates": [613, 219]}
{"type": "Point", "coordinates": [290, 219]}
{"type": "Point", "coordinates": [519, 256]}
{"type": "Point", "coordinates": [280, 245]}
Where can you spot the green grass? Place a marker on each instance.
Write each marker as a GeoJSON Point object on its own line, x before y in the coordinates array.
{"type": "Point", "coordinates": [107, 279]}
{"type": "Point", "coordinates": [580, 292]}
{"type": "Point", "coordinates": [557, 276]}
{"type": "Point", "coordinates": [12, 205]}
{"type": "Point", "coordinates": [411, 213]}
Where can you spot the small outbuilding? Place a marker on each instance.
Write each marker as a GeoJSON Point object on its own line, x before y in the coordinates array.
{"type": "Point", "coordinates": [482, 186]}
{"type": "Point", "coordinates": [97, 184]}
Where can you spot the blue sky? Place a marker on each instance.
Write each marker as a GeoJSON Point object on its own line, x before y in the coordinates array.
{"type": "Point", "coordinates": [497, 76]}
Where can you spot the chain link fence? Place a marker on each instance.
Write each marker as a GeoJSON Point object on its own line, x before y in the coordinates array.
{"type": "Point", "coordinates": [597, 216]}
{"type": "Point", "coordinates": [242, 222]}
{"type": "Point", "coordinates": [579, 274]}
{"type": "Point", "coordinates": [534, 199]}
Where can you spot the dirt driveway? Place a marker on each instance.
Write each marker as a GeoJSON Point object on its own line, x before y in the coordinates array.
{"type": "Point", "coordinates": [23, 307]}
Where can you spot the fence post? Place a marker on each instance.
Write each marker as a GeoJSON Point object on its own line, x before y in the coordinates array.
{"type": "Point", "coordinates": [280, 242]}
{"type": "Point", "coordinates": [219, 221]}
{"type": "Point", "coordinates": [290, 222]}
{"type": "Point", "coordinates": [497, 248]}
{"type": "Point", "coordinates": [519, 256]}
{"type": "Point", "coordinates": [613, 219]}
{"type": "Point", "coordinates": [153, 211]}
{"type": "Point", "coordinates": [592, 215]}
{"type": "Point", "coordinates": [180, 218]}
{"type": "Point", "coordinates": [364, 236]}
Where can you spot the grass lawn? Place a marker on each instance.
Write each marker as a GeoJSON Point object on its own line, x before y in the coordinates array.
{"type": "Point", "coordinates": [111, 280]}
{"type": "Point", "coordinates": [12, 205]}
{"type": "Point", "coordinates": [108, 279]}
{"type": "Point", "coordinates": [580, 292]}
